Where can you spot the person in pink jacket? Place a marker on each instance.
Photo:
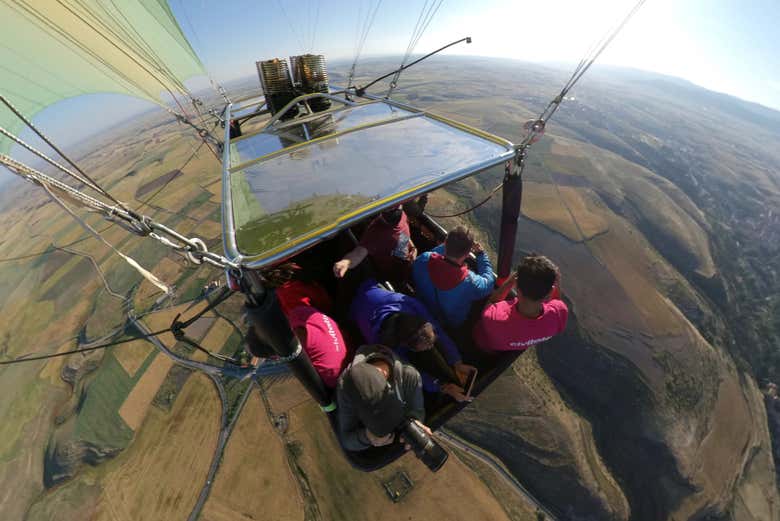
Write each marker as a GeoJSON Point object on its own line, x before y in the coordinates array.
{"type": "Point", "coordinates": [536, 314]}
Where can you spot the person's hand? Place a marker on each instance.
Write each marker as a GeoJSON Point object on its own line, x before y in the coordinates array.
{"type": "Point", "coordinates": [455, 392]}
{"type": "Point", "coordinates": [462, 371]}
{"type": "Point", "coordinates": [477, 248]}
{"type": "Point", "coordinates": [340, 268]}
{"type": "Point", "coordinates": [412, 252]}
{"type": "Point", "coordinates": [422, 426]}
{"type": "Point", "coordinates": [379, 441]}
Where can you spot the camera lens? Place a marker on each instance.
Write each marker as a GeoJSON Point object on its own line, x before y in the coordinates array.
{"type": "Point", "coordinates": [425, 448]}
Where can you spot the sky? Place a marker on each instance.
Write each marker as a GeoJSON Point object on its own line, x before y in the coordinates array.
{"type": "Point", "coordinates": [728, 46]}
{"type": "Point", "coordinates": [724, 45]}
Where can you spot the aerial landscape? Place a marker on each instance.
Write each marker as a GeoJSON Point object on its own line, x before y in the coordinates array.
{"type": "Point", "coordinates": [657, 198]}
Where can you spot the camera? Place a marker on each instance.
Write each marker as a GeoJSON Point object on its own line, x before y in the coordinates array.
{"type": "Point", "coordinates": [424, 447]}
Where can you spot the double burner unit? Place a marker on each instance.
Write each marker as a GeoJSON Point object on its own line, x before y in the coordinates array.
{"type": "Point", "coordinates": [309, 76]}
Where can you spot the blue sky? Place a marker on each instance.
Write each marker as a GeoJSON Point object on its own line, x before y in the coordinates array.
{"type": "Point", "coordinates": [725, 45]}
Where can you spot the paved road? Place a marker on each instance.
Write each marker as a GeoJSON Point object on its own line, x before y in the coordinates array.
{"type": "Point", "coordinates": [225, 429]}
{"type": "Point", "coordinates": [214, 373]}
{"type": "Point", "coordinates": [494, 463]}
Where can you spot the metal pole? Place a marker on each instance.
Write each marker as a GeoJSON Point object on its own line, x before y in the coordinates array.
{"type": "Point", "coordinates": [270, 329]}
{"type": "Point", "coordinates": [512, 193]}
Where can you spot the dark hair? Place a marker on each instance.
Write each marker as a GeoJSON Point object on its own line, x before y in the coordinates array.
{"type": "Point", "coordinates": [458, 242]}
{"type": "Point", "coordinates": [535, 276]}
{"type": "Point", "coordinates": [407, 329]}
{"type": "Point", "coordinates": [278, 275]}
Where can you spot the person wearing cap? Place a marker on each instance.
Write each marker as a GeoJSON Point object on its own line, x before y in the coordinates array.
{"type": "Point", "coordinates": [445, 283]}
{"type": "Point", "coordinates": [404, 324]}
{"type": "Point", "coordinates": [375, 394]}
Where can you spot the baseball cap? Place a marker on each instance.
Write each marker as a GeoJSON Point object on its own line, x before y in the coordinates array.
{"type": "Point", "coordinates": [378, 407]}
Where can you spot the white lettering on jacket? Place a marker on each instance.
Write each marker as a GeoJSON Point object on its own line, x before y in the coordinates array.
{"type": "Point", "coordinates": [529, 342]}
{"type": "Point", "coordinates": [331, 332]}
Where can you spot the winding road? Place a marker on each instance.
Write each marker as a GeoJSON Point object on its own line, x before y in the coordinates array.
{"type": "Point", "coordinates": [493, 462]}
{"type": "Point", "coordinates": [214, 373]}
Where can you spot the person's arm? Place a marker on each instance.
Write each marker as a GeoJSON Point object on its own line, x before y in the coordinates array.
{"type": "Point", "coordinates": [484, 279]}
{"type": "Point", "coordinates": [450, 350]}
{"type": "Point", "coordinates": [412, 393]}
{"type": "Point", "coordinates": [349, 261]}
{"type": "Point", "coordinates": [500, 294]}
{"type": "Point", "coordinates": [351, 431]}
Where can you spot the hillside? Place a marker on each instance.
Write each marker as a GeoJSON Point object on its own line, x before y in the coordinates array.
{"type": "Point", "coordinates": [660, 215]}
{"type": "Point", "coordinates": [657, 198]}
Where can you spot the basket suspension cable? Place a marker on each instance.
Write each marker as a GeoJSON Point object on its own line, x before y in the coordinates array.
{"type": "Point", "coordinates": [195, 249]}
{"type": "Point", "coordinates": [423, 20]}
{"type": "Point", "coordinates": [49, 160]}
{"type": "Point", "coordinates": [67, 159]}
{"type": "Point", "coordinates": [362, 35]}
{"type": "Point", "coordinates": [536, 129]}
{"type": "Point", "coordinates": [25, 358]}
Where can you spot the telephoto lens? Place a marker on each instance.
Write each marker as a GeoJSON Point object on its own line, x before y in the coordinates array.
{"type": "Point", "coordinates": [425, 447]}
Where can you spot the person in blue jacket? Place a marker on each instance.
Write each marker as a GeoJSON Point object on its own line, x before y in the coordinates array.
{"type": "Point", "coordinates": [404, 324]}
{"type": "Point", "coordinates": [445, 284]}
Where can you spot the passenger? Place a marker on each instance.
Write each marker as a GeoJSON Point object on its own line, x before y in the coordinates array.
{"type": "Point", "coordinates": [322, 340]}
{"type": "Point", "coordinates": [388, 241]}
{"type": "Point", "coordinates": [445, 284]}
{"type": "Point", "coordinates": [293, 290]}
{"type": "Point", "coordinates": [375, 395]}
{"type": "Point", "coordinates": [535, 315]}
{"type": "Point", "coordinates": [374, 305]}
{"type": "Point", "coordinates": [318, 333]}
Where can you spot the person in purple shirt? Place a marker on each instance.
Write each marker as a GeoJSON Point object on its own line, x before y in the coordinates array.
{"type": "Point", "coordinates": [405, 324]}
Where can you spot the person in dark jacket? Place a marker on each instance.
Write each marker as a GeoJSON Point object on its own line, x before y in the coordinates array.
{"type": "Point", "coordinates": [445, 284]}
{"type": "Point", "coordinates": [387, 240]}
{"type": "Point", "coordinates": [375, 394]}
{"type": "Point", "coordinates": [373, 305]}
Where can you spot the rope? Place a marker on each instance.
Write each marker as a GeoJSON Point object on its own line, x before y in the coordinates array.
{"type": "Point", "coordinates": [425, 18]}
{"type": "Point", "coordinates": [177, 327]}
{"type": "Point", "coordinates": [214, 84]}
{"type": "Point", "coordinates": [132, 262]}
{"type": "Point", "coordinates": [46, 140]}
{"type": "Point", "coordinates": [486, 199]}
{"type": "Point", "coordinates": [585, 63]}
{"type": "Point", "coordinates": [537, 127]}
{"type": "Point", "coordinates": [82, 239]}
{"type": "Point", "coordinates": [293, 29]}
{"type": "Point", "coordinates": [46, 158]}
{"type": "Point", "coordinates": [25, 358]}
{"type": "Point", "coordinates": [194, 248]}
{"type": "Point", "coordinates": [361, 35]}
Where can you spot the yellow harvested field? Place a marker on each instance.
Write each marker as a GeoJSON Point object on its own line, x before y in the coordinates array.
{"type": "Point", "coordinates": [285, 394]}
{"type": "Point", "coordinates": [255, 480]}
{"type": "Point", "coordinates": [132, 355]}
{"type": "Point", "coordinates": [543, 204]}
{"type": "Point", "coordinates": [452, 493]}
{"type": "Point", "coordinates": [214, 340]}
{"type": "Point", "coordinates": [218, 334]}
{"type": "Point", "coordinates": [638, 281]}
{"type": "Point", "coordinates": [565, 147]}
{"type": "Point", "coordinates": [161, 474]}
{"type": "Point", "coordinates": [133, 410]}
